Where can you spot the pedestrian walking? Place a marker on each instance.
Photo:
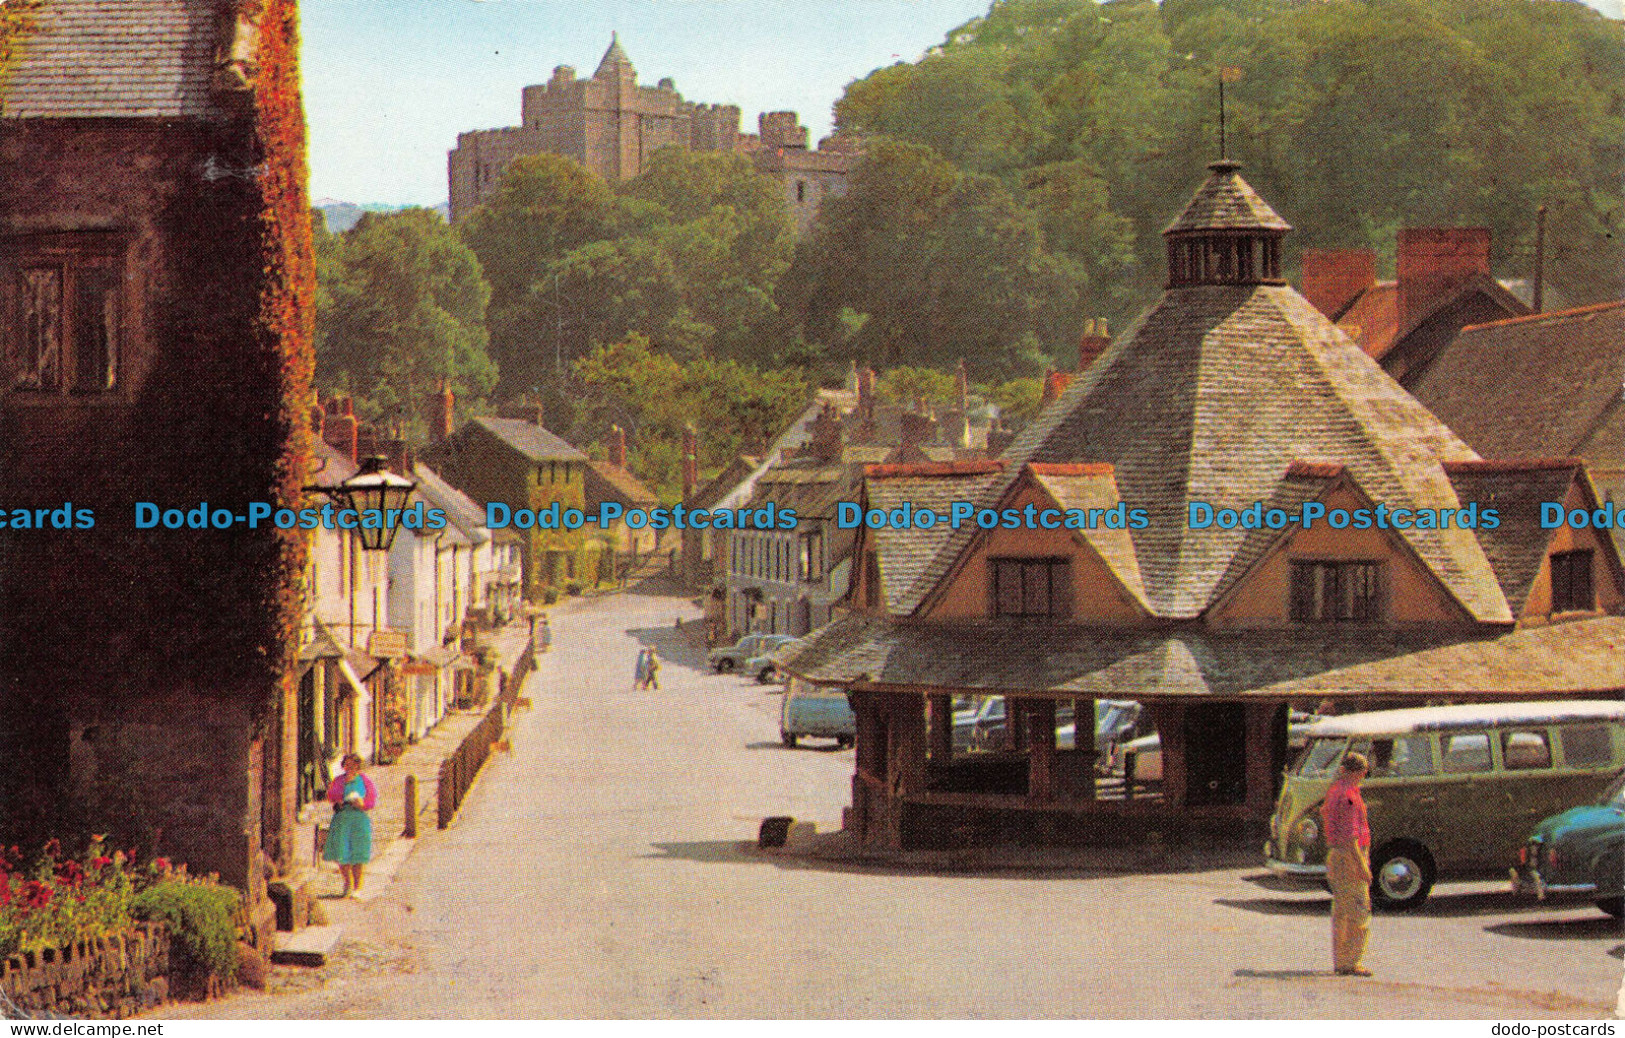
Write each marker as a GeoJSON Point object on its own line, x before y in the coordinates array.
{"type": "Point", "coordinates": [1348, 866]}
{"type": "Point", "coordinates": [349, 838]}
{"type": "Point", "coordinates": [653, 675]}
{"type": "Point", "coordinates": [640, 672]}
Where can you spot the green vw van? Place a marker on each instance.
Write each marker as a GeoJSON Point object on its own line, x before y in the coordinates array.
{"type": "Point", "coordinates": [1454, 791]}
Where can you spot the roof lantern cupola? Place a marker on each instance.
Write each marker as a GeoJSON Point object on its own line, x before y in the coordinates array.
{"type": "Point", "coordinates": [1227, 235]}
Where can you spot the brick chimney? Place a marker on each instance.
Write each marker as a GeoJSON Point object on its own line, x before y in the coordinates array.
{"type": "Point", "coordinates": [617, 446]}
{"type": "Point", "coordinates": [441, 409]}
{"type": "Point", "coordinates": [1093, 343]}
{"type": "Point", "coordinates": [916, 429]}
{"type": "Point", "coordinates": [691, 461]}
{"type": "Point", "coordinates": [1333, 277]}
{"type": "Point", "coordinates": [1433, 261]}
{"type": "Point", "coordinates": [825, 442]}
{"type": "Point", "coordinates": [1055, 383]}
{"type": "Point", "coordinates": [961, 385]}
{"type": "Point", "coordinates": [341, 430]}
{"type": "Point", "coordinates": [524, 410]}
{"type": "Point", "coordinates": [866, 393]}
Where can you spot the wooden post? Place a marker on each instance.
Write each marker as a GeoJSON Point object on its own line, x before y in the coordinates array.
{"type": "Point", "coordinates": [1041, 749]}
{"type": "Point", "coordinates": [942, 729]}
{"type": "Point", "coordinates": [410, 831]}
{"type": "Point", "coordinates": [445, 793]}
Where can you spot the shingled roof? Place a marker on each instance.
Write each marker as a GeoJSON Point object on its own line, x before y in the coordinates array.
{"type": "Point", "coordinates": [1539, 386]}
{"type": "Point", "coordinates": [1209, 397]}
{"type": "Point", "coordinates": [904, 553]}
{"type": "Point", "coordinates": [1227, 203]}
{"type": "Point", "coordinates": [530, 439]}
{"type": "Point", "coordinates": [1074, 660]}
{"type": "Point", "coordinates": [116, 59]}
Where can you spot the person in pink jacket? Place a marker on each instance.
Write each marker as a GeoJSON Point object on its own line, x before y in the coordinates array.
{"type": "Point", "coordinates": [349, 838]}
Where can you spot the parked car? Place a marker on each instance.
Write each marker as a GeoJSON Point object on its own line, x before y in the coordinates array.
{"type": "Point", "coordinates": [1581, 850]}
{"type": "Point", "coordinates": [810, 711]}
{"type": "Point", "coordinates": [732, 657]}
{"type": "Point", "coordinates": [1147, 749]}
{"type": "Point", "coordinates": [980, 726]}
{"type": "Point", "coordinates": [1453, 791]}
{"type": "Point", "coordinates": [763, 664]}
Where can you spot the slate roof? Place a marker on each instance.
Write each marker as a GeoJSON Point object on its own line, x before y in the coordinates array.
{"type": "Point", "coordinates": [130, 59]}
{"type": "Point", "coordinates": [904, 554]}
{"type": "Point", "coordinates": [620, 483]}
{"type": "Point", "coordinates": [1209, 397]}
{"type": "Point", "coordinates": [1067, 660]}
{"type": "Point", "coordinates": [1582, 657]}
{"type": "Point", "coordinates": [530, 439]}
{"type": "Point", "coordinates": [811, 490]}
{"type": "Point", "coordinates": [1535, 386]}
{"type": "Point", "coordinates": [1227, 203]}
{"type": "Point", "coordinates": [1087, 487]}
{"type": "Point", "coordinates": [462, 514]}
{"type": "Point", "coordinates": [614, 59]}
{"type": "Point", "coordinates": [1302, 483]}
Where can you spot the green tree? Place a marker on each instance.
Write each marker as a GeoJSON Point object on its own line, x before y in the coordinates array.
{"type": "Point", "coordinates": [400, 310]}
{"type": "Point", "coordinates": [941, 262]}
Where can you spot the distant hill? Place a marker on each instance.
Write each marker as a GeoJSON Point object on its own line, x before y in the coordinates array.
{"type": "Point", "coordinates": [341, 216]}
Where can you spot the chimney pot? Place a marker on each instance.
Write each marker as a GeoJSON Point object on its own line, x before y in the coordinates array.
{"type": "Point", "coordinates": [617, 446]}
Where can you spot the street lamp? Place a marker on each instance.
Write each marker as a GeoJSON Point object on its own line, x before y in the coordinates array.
{"type": "Point", "coordinates": [374, 489]}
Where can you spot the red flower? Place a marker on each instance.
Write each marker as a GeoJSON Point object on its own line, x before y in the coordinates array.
{"type": "Point", "coordinates": [101, 863]}
{"type": "Point", "coordinates": [162, 863]}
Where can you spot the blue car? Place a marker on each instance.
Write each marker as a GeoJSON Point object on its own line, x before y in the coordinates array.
{"type": "Point", "coordinates": [1579, 851]}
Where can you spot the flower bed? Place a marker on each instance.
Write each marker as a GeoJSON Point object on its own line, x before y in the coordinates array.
{"type": "Point", "coordinates": [96, 934]}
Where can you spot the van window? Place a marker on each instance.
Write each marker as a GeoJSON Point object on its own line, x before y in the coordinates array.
{"type": "Point", "coordinates": [1400, 756]}
{"type": "Point", "coordinates": [1318, 759]}
{"type": "Point", "coordinates": [1587, 745]}
{"type": "Point", "coordinates": [1465, 752]}
{"type": "Point", "coordinates": [1525, 750]}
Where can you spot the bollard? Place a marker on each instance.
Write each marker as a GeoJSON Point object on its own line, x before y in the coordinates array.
{"type": "Point", "coordinates": [411, 830]}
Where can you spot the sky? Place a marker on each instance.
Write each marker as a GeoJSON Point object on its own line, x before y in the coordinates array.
{"type": "Point", "coordinates": [390, 83]}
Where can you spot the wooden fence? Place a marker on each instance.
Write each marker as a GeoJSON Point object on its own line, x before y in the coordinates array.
{"type": "Point", "coordinates": [459, 770]}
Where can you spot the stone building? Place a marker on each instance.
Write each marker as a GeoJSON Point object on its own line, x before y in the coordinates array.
{"type": "Point", "coordinates": [1231, 392]}
{"type": "Point", "coordinates": [611, 124]}
{"type": "Point", "coordinates": [155, 321]}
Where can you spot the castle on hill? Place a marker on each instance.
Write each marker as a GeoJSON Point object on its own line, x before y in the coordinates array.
{"type": "Point", "coordinates": [611, 124]}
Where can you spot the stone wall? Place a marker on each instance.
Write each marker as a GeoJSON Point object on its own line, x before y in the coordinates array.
{"type": "Point", "coordinates": [107, 977]}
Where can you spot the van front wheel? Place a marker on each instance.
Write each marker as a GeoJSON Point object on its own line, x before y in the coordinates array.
{"type": "Point", "coordinates": [1402, 876]}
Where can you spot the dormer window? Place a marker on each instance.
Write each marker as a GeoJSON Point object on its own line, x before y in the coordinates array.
{"type": "Point", "coordinates": [1336, 592]}
{"type": "Point", "coordinates": [1572, 589]}
{"type": "Point", "coordinates": [1032, 588]}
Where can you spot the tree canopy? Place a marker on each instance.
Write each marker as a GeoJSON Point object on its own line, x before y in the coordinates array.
{"type": "Point", "coordinates": [400, 309]}
{"type": "Point", "coordinates": [1353, 118]}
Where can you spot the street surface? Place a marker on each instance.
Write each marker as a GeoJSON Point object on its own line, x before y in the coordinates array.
{"type": "Point", "coordinates": [606, 868]}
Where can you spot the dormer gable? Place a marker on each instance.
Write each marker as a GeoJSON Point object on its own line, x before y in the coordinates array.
{"type": "Point", "coordinates": [1058, 544]}
{"type": "Point", "coordinates": [1319, 555]}
{"type": "Point", "coordinates": [1549, 567]}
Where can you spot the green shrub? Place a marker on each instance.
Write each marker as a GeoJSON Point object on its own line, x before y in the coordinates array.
{"type": "Point", "coordinates": [550, 596]}
{"type": "Point", "coordinates": [201, 918]}
{"type": "Point", "coordinates": [573, 587]}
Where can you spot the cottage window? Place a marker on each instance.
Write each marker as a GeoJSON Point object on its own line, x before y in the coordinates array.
{"type": "Point", "coordinates": [1571, 581]}
{"type": "Point", "coordinates": [1335, 592]}
{"type": "Point", "coordinates": [812, 555]}
{"type": "Point", "coordinates": [65, 316]}
{"type": "Point", "coordinates": [1032, 587]}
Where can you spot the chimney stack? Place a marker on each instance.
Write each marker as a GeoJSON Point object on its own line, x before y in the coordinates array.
{"type": "Point", "coordinates": [866, 393]}
{"type": "Point", "coordinates": [1055, 383]}
{"type": "Point", "coordinates": [341, 430]}
{"type": "Point", "coordinates": [691, 461]}
{"type": "Point", "coordinates": [961, 385]}
{"type": "Point", "coordinates": [617, 446]}
{"type": "Point", "coordinates": [1093, 343]}
{"type": "Point", "coordinates": [1332, 278]}
{"type": "Point", "coordinates": [825, 443]}
{"type": "Point", "coordinates": [440, 417]}
{"type": "Point", "coordinates": [524, 409]}
{"type": "Point", "coordinates": [1433, 261]}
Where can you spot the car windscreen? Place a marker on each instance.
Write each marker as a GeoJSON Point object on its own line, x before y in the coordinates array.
{"type": "Point", "coordinates": [1321, 756]}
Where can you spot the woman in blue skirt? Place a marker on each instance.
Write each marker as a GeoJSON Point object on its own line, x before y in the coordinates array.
{"type": "Point", "coordinates": [349, 838]}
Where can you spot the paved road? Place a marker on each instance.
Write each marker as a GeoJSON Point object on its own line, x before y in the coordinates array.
{"type": "Point", "coordinates": [604, 868]}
